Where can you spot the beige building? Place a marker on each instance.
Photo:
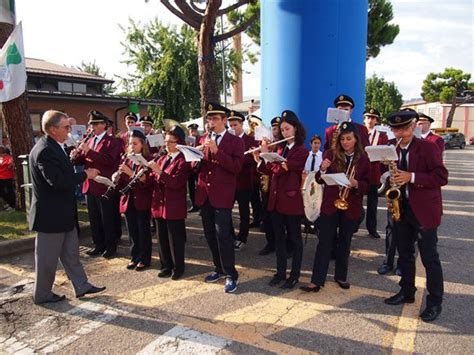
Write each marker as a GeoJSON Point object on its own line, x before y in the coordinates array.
{"type": "Point", "coordinates": [463, 117]}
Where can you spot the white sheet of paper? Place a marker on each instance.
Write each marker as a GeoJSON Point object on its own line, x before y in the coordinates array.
{"type": "Point", "coordinates": [78, 131]}
{"type": "Point", "coordinates": [387, 130]}
{"type": "Point", "coordinates": [71, 141]}
{"type": "Point", "coordinates": [337, 116]}
{"type": "Point", "coordinates": [418, 132]}
{"type": "Point", "coordinates": [155, 140]}
{"type": "Point", "coordinates": [104, 181]}
{"type": "Point", "coordinates": [381, 152]}
{"type": "Point", "coordinates": [263, 132]}
{"type": "Point", "coordinates": [136, 128]}
{"type": "Point", "coordinates": [137, 159]}
{"type": "Point", "coordinates": [272, 157]}
{"type": "Point", "coordinates": [190, 153]}
{"type": "Point", "coordinates": [335, 179]}
{"type": "Point", "coordinates": [190, 140]}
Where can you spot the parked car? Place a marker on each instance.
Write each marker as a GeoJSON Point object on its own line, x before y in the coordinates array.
{"type": "Point", "coordinates": [471, 140]}
{"type": "Point", "coordinates": [453, 140]}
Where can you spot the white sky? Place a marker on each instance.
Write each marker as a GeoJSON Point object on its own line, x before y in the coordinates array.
{"type": "Point", "coordinates": [434, 34]}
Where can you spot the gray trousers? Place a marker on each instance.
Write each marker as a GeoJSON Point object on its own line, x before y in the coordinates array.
{"type": "Point", "coordinates": [49, 247]}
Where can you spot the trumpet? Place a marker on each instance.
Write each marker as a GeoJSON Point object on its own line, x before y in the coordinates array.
{"type": "Point", "coordinates": [75, 152]}
{"type": "Point", "coordinates": [341, 203]}
{"type": "Point", "coordinates": [269, 145]}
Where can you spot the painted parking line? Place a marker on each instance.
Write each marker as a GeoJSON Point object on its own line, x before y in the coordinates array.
{"type": "Point", "coordinates": [183, 340]}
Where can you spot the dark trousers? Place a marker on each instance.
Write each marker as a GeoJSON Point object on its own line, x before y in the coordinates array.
{"type": "Point", "coordinates": [287, 227]}
{"type": "Point", "coordinates": [117, 221]}
{"type": "Point", "coordinates": [267, 222]}
{"type": "Point", "coordinates": [256, 203]}
{"type": "Point", "coordinates": [192, 187]}
{"type": "Point", "coordinates": [102, 214]}
{"type": "Point", "coordinates": [407, 230]}
{"type": "Point", "coordinates": [372, 203]}
{"type": "Point", "coordinates": [243, 200]}
{"type": "Point", "coordinates": [216, 223]}
{"type": "Point", "coordinates": [7, 191]}
{"type": "Point", "coordinates": [171, 240]}
{"type": "Point", "coordinates": [391, 241]}
{"type": "Point", "coordinates": [138, 225]}
{"type": "Point", "coordinates": [331, 226]}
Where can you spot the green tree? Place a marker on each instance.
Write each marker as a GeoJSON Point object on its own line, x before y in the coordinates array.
{"type": "Point", "coordinates": [446, 87]}
{"type": "Point", "coordinates": [93, 68]}
{"type": "Point", "coordinates": [380, 31]}
{"type": "Point", "coordinates": [382, 95]}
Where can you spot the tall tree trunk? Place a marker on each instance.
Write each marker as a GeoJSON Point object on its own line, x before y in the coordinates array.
{"type": "Point", "coordinates": [452, 110]}
{"type": "Point", "coordinates": [17, 126]}
{"type": "Point", "coordinates": [237, 87]}
{"type": "Point", "coordinates": [206, 59]}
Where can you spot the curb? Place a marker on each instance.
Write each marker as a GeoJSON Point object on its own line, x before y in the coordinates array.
{"type": "Point", "coordinates": [17, 246]}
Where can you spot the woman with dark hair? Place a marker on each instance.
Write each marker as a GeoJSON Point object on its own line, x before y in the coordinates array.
{"type": "Point", "coordinates": [285, 201]}
{"type": "Point", "coordinates": [136, 204]}
{"type": "Point", "coordinates": [339, 219]}
{"type": "Point", "coordinates": [169, 207]}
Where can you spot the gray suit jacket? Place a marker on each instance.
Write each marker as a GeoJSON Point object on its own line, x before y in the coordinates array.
{"type": "Point", "coordinates": [53, 205]}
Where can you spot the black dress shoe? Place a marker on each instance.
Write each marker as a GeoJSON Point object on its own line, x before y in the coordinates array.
{"type": "Point", "coordinates": [375, 235]}
{"type": "Point", "coordinates": [266, 250]}
{"type": "Point", "coordinates": [109, 254]}
{"type": "Point", "coordinates": [164, 273]}
{"type": "Point", "coordinates": [384, 269]}
{"type": "Point", "coordinates": [131, 265]}
{"type": "Point", "coordinates": [343, 284]}
{"type": "Point", "coordinates": [90, 291]}
{"type": "Point", "coordinates": [399, 298]}
{"type": "Point", "coordinates": [310, 288]}
{"type": "Point", "coordinates": [141, 267]}
{"type": "Point", "coordinates": [430, 313]}
{"type": "Point", "coordinates": [94, 252]}
{"type": "Point", "coordinates": [54, 298]}
{"type": "Point", "coordinates": [289, 283]}
{"type": "Point", "coordinates": [276, 280]}
{"type": "Point", "coordinates": [177, 275]}
{"type": "Point", "coordinates": [193, 209]}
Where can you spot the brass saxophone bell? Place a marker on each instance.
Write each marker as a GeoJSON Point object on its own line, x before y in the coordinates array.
{"type": "Point", "coordinates": [341, 204]}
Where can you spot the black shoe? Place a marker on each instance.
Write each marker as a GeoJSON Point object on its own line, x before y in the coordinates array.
{"type": "Point", "coordinates": [430, 313]}
{"type": "Point", "coordinates": [164, 273]}
{"type": "Point", "coordinates": [109, 254]}
{"type": "Point", "coordinates": [131, 265]}
{"type": "Point", "coordinates": [289, 283]}
{"type": "Point", "coordinates": [193, 209]}
{"type": "Point", "coordinates": [399, 298]}
{"type": "Point", "coordinates": [177, 275]}
{"type": "Point", "coordinates": [55, 298]}
{"type": "Point", "coordinates": [275, 281]}
{"type": "Point", "coordinates": [310, 288]}
{"type": "Point", "coordinates": [266, 250]}
{"type": "Point", "coordinates": [94, 252]}
{"type": "Point", "coordinates": [374, 235]}
{"type": "Point", "coordinates": [343, 284]}
{"type": "Point", "coordinates": [141, 266]}
{"type": "Point", "coordinates": [90, 291]}
{"type": "Point", "coordinates": [384, 269]}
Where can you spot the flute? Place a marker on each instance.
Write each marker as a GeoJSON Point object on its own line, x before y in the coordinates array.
{"type": "Point", "coordinates": [271, 144]}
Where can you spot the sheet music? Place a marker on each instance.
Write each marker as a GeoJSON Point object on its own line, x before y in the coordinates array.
{"type": "Point", "coordinates": [190, 140]}
{"type": "Point", "coordinates": [418, 132]}
{"type": "Point", "coordinates": [337, 116]}
{"type": "Point", "coordinates": [71, 141]}
{"type": "Point", "coordinates": [136, 128]}
{"type": "Point", "coordinates": [155, 140]}
{"type": "Point", "coordinates": [190, 153]}
{"type": "Point", "coordinates": [78, 131]}
{"type": "Point", "coordinates": [137, 159]}
{"type": "Point", "coordinates": [385, 129]}
{"type": "Point", "coordinates": [104, 181]}
{"type": "Point", "coordinates": [263, 132]}
{"type": "Point", "coordinates": [335, 179]}
{"type": "Point", "coordinates": [381, 152]}
{"type": "Point", "coordinates": [271, 157]}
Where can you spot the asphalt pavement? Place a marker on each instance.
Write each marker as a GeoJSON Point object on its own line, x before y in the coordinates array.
{"type": "Point", "coordinates": [140, 313]}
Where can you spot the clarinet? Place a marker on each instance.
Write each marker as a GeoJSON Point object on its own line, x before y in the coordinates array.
{"type": "Point", "coordinates": [115, 179]}
{"type": "Point", "coordinates": [83, 140]}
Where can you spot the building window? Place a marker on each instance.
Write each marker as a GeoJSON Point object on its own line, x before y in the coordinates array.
{"type": "Point", "coordinates": [36, 123]}
{"type": "Point", "coordinates": [64, 86]}
{"type": "Point", "coordinates": [79, 87]}
{"type": "Point", "coordinates": [432, 112]}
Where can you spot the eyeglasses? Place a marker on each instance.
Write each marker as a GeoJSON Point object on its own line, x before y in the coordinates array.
{"type": "Point", "coordinates": [170, 142]}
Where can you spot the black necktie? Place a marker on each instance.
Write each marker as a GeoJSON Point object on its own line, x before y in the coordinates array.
{"type": "Point", "coordinates": [313, 162]}
{"type": "Point", "coordinates": [285, 152]}
{"type": "Point", "coordinates": [217, 139]}
{"type": "Point", "coordinates": [348, 162]}
{"type": "Point", "coordinates": [95, 142]}
{"type": "Point", "coordinates": [167, 162]}
{"type": "Point", "coordinates": [404, 167]}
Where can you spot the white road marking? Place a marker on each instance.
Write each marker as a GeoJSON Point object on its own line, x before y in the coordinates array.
{"type": "Point", "coordinates": [88, 316]}
{"type": "Point", "coordinates": [183, 340]}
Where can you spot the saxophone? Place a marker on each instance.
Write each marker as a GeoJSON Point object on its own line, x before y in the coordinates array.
{"type": "Point", "coordinates": [393, 194]}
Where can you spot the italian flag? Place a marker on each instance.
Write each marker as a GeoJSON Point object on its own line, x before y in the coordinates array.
{"type": "Point", "coordinates": [12, 66]}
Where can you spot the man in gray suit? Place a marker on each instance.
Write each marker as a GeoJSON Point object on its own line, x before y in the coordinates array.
{"type": "Point", "coordinates": [53, 211]}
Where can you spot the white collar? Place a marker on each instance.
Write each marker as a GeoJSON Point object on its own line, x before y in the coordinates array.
{"type": "Point", "coordinates": [221, 134]}
{"type": "Point", "coordinates": [424, 135]}
{"type": "Point", "coordinates": [290, 145]}
{"type": "Point", "coordinates": [100, 136]}
{"type": "Point", "coordinates": [174, 155]}
{"type": "Point", "coordinates": [243, 133]}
